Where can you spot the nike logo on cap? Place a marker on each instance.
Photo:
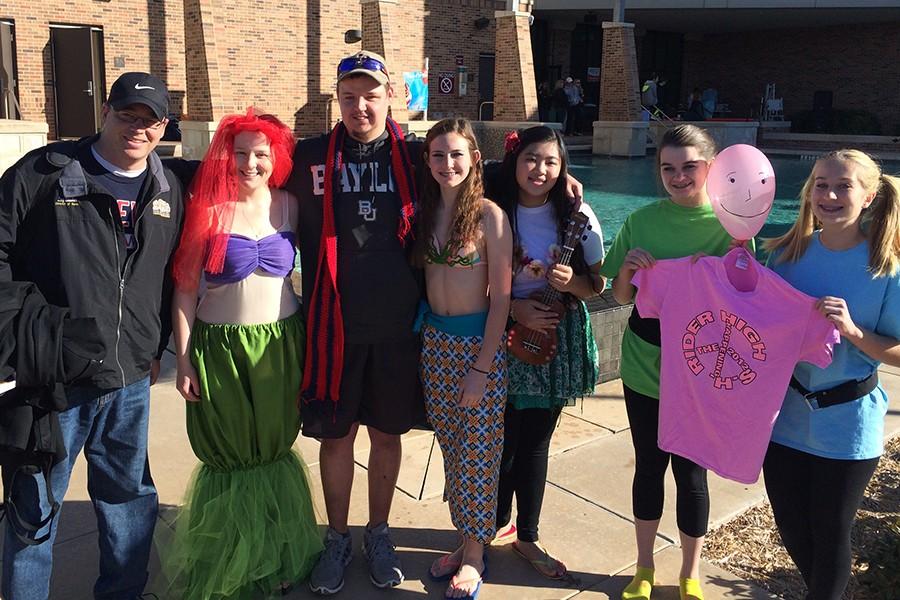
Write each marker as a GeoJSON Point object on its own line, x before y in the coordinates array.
{"type": "Point", "coordinates": [143, 87]}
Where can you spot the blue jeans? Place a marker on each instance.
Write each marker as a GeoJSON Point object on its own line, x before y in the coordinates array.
{"type": "Point", "coordinates": [112, 429]}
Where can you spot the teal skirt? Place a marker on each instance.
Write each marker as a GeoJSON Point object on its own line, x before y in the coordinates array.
{"type": "Point", "coordinates": [248, 522]}
{"type": "Point", "coordinates": [571, 374]}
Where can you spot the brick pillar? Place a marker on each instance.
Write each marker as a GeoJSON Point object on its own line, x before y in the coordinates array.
{"type": "Point", "coordinates": [619, 93]}
{"type": "Point", "coordinates": [205, 98]}
{"type": "Point", "coordinates": [515, 94]}
{"type": "Point", "coordinates": [378, 20]}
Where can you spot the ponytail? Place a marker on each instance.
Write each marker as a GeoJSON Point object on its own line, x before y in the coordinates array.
{"type": "Point", "coordinates": [880, 222]}
{"type": "Point", "coordinates": [883, 228]}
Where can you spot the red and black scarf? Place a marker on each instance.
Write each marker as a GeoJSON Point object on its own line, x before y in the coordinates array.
{"type": "Point", "coordinates": [325, 329]}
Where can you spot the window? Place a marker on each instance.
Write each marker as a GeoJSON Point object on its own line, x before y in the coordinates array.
{"type": "Point", "coordinates": [9, 92]}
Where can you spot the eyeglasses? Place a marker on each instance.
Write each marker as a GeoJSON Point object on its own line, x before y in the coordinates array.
{"type": "Point", "coordinates": [141, 122]}
{"type": "Point", "coordinates": [361, 61]}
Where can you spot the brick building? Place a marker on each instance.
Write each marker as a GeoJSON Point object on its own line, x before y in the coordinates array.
{"type": "Point", "coordinates": [856, 68]}
{"type": "Point", "coordinates": [839, 55]}
{"type": "Point", "coordinates": [59, 57]}
{"type": "Point", "coordinates": [92, 43]}
{"type": "Point", "coordinates": [279, 56]}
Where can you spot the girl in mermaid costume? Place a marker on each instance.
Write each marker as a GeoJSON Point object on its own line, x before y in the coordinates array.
{"type": "Point", "coordinates": [248, 526]}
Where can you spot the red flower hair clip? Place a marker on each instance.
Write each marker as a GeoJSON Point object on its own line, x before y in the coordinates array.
{"type": "Point", "coordinates": [511, 143]}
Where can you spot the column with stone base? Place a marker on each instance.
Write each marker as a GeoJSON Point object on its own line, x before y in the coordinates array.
{"type": "Point", "coordinates": [515, 94]}
{"type": "Point", "coordinates": [379, 18]}
{"type": "Point", "coordinates": [620, 130]}
{"type": "Point", "coordinates": [205, 100]}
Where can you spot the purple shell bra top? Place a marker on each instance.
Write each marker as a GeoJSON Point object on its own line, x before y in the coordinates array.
{"type": "Point", "coordinates": [273, 253]}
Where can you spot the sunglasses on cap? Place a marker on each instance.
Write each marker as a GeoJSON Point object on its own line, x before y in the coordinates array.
{"type": "Point", "coordinates": [361, 61]}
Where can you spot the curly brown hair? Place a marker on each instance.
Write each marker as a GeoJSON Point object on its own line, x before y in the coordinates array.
{"type": "Point", "coordinates": [467, 217]}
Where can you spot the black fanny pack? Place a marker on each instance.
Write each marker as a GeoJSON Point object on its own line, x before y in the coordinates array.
{"type": "Point", "coordinates": [646, 329]}
{"type": "Point", "coordinates": [839, 394]}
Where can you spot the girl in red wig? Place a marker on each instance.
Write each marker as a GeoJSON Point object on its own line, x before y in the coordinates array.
{"type": "Point", "coordinates": [248, 524]}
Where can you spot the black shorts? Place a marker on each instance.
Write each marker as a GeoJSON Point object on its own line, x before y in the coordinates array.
{"type": "Point", "coordinates": [380, 388]}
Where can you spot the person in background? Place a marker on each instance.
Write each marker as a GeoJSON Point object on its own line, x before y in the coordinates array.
{"type": "Point", "coordinates": [545, 95]}
{"type": "Point", "coordinates": [573, 106]}
{"type": "Point", "coordinates": [649, 97]}
{"type": "Point", "coordinates": [559, 103]}
{"type": "Point", "coordinates": [710, 99]}
{"type": "Point", "coordinates": [695, 110]}
{"type": "Point", "coordinates": [580, 113]}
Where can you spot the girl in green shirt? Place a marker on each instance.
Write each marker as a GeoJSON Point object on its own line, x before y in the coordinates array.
{"type": "Point", "coordinates": [682, 225]}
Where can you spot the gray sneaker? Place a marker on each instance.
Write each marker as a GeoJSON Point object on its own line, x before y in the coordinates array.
{"type": "Point", "coordinates": [328, 575]}
{"type": "Point", "coordinates": [384, 565]}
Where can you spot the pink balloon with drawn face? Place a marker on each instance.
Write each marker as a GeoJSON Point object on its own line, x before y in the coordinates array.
{"type": "Point", "coordinates": [741, 188]}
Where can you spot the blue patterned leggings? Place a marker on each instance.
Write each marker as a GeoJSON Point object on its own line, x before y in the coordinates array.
{"type": "Point", "coordinates": [471, 438]}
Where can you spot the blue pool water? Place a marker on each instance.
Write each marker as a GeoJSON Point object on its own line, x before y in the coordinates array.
{"type": "Point", "coordinates": [616, 187]}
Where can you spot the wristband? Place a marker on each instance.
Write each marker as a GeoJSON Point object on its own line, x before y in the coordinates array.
{"type": "Point", "coordinates": [477, 370]}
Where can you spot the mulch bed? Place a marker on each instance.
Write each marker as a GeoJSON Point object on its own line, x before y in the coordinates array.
{"type": "Point", "coordinates": [750, 547]}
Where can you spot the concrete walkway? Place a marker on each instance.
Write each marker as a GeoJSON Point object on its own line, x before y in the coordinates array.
{"type": "Point", "coordinates": [586, 519]}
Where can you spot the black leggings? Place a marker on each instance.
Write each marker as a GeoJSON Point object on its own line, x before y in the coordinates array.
{"type": "Point", "coordinates": [523, 470]}
{"type": "Point", "coordinates": [814, 500]}
{"type": "Point", "coordinates": [650, 464]}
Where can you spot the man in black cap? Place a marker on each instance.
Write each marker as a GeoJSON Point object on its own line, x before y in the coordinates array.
{"type": "Point", "coordinates": [93, 223]}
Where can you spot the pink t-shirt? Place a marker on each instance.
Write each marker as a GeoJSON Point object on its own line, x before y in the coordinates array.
{"type": "Point", "coordinates": [727, 355]}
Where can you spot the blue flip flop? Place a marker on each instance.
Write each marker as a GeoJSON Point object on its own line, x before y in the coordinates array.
{"type": "Point", "coordinates": [481, 579]}
{"type": "Point", "coordinates": [474, 594]}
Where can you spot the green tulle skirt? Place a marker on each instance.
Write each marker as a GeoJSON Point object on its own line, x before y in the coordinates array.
{"type": "Point", "coordinates": [248, 523]}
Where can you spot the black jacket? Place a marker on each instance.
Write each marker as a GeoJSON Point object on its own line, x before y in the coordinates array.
{"type": "Point", "coordinates": [45, 349]}
{"type": "Point", "coordinates": [60, 230]}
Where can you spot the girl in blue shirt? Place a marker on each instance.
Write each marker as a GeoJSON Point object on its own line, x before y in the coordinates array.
{"type": "Point", "coordinates": [845, 250]}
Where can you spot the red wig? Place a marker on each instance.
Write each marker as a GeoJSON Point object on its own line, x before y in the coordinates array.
{"type": "Point", "coordinates": [213, 193]}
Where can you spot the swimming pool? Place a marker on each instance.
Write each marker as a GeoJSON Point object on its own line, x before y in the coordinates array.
{"type": "Point", "coordinates": [615, 187]}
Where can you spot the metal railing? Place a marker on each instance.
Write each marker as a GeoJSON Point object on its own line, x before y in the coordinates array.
{"type": "Point", "coordinates": [657, 114]}
{"type": "Point", "coordinates": [481, 106]}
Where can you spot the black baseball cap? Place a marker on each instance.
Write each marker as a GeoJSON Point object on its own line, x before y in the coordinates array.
{"type": "Point", "coordinates": [140, 88]}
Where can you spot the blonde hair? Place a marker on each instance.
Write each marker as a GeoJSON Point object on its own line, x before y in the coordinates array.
{"type": "Point", "coordinates": [880, 222]}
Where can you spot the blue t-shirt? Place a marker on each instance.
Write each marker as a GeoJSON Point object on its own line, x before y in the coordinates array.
{"type": "Point", "coordinates": [853, 430]}
{"type": "Point", "coordinates": [124, 186]}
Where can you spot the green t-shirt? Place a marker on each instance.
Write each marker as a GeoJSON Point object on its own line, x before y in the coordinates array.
{"type": "Point", "coordinates": [665, 230]}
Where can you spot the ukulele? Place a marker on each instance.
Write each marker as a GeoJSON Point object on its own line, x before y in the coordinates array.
{"type": "Point", "coordinates": [539, 347]}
